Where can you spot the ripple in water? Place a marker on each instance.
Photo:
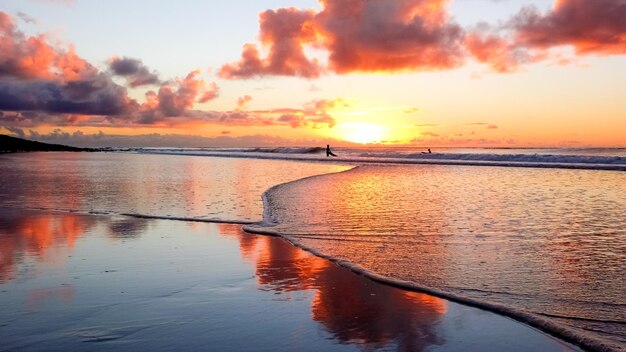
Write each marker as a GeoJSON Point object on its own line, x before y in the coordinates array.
{"type": "Point", "coordinates": [547, 242]}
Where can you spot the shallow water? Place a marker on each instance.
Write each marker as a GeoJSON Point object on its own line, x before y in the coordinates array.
{"type": "Point", "coordinates": [547, 241]}
{"type": "Point", "coordinates": [156, 185]}
{"type": "Point", "coordinates": [550, 242]}
{"type": "Point", "coordinates": [102, 283]}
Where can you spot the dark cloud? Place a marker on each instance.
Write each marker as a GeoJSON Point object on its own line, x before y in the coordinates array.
{"type": "Point", "coordinates": [97, 95]}
{"type": "Point", "coordinates": [134, 71]}
{"type": "Point", "coordinates": [26, 18]}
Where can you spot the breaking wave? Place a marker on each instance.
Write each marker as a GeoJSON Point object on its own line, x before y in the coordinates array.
{"type": "Point", "coordinates": [589, 159]}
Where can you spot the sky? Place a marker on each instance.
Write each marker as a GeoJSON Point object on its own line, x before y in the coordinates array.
{"type": "Point", "coordinates": [466, 73]}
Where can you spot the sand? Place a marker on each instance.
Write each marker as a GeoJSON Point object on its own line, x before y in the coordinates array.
{"type": "Point", "coordinates": [91, 282]}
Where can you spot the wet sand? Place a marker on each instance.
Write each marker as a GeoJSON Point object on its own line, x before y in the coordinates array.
{"type": "Point", "coordinates": [92, 282]}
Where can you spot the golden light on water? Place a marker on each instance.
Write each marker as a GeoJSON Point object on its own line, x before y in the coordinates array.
{"type": "Point", "coordinates": [361, 132]}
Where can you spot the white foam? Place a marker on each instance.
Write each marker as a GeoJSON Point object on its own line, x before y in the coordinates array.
{"type": "Point", "coordinates": [585, 162]}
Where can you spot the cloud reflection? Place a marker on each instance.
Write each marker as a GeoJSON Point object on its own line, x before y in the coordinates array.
{"type": "Point", "coordinates": [352, 308]}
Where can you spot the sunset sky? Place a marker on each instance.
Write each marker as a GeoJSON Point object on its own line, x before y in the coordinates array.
{"type": "Point", "coordinates": [507, 73]}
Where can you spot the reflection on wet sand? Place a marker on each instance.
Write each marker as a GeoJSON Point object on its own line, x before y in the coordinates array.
{"type": "Point", "coordinates": [350, 307]}
{"type": "Point", "coordinates": [128, 284]}
{"type": "Point", "coordinates": [24, 235]}
{"type": "Point", "coordinates": [50, 237]}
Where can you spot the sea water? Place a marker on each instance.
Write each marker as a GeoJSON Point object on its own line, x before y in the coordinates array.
{"type": "Point", "coordinates": [545, 242]}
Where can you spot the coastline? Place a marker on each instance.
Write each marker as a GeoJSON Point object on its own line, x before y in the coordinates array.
{"type": "Point", "coordinates": [267, 291]}
{"type": "Point", "coordinates": [409, 286]}
{"type": "Point", "coordinates": [535, 320]}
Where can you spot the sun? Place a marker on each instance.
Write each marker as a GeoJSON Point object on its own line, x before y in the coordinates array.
{"type": "Point", "coordinates": [361, 132]}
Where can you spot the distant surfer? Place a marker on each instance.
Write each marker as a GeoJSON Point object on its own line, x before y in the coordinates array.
{"type": "Point", "coordinates": [328, 151]}
{"type": "Point", "coordinates": [429, 152]}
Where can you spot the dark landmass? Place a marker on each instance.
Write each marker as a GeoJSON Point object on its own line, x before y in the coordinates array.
{"type": "Point", "coordinates": [10, 144]}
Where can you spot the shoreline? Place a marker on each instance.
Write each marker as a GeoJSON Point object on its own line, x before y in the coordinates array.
{"type": "Point", "coordinates": [286, 273]}
{"type": "Point", "coordinates": [536, 321]}
{"type": "Point", "coordinates": [531, 320]}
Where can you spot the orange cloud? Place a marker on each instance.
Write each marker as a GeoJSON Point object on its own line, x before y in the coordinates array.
{"type": "Point", "coordinates": [359, 35]}
{"type": "Point", "coordinates": [242, 102]}
{"type": "Point", "coordinates": [285, 32]}
{"type": "Point", "coordinates": [371, 35]}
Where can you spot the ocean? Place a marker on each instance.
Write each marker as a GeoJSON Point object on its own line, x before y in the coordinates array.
{"type": "Point", "coordinates": [536, 234]}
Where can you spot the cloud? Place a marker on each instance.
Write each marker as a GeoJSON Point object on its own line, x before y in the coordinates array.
{"type": "Point", "coordinates": [426, 125]}
{"type": "Point", "coordinates": [32, 58]}
{"type": "Point", "coordinates": [136, 73]}
{"type": "Point", "coordinates": [18, 132]}
{"type": "Point", "coordinates": [498, 52]}
{"type": "Point", "coordinates": [209, 93]}
{"type": "Point", "coordinates": [96, 95]}
{"type": "Point", "coordinates": [44, 85]}
{"type": "Point", "coordinates": [492, 127]}
{"type": "Point", "coordinates": [242, 102]}
{"type": "Point", "coordinates": [285, 32]}
{"type": "Point", "coordinates": [589, 27]}
{"type": "Point", "coordinates": [372, 35]}
{"type": "Point", "coordinates": [176, 99]}
{"type": "Point", "coordinates": [26, 18]}
{"type": "Point", "coordinates": [100, 139]}
{"type": "Point", "coordinates": [37, 78]}
{"type": "Point", "coordinates": [357, 35]}
{"type": "Point", "coordinates": [429, 134]}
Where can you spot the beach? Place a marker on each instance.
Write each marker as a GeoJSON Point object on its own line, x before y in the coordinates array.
{"type": "Point", "coordinates": [94, 282]}
{"type": "Point", "coordinates": [132, 251]}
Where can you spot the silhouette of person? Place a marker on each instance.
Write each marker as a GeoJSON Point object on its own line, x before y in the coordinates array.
{"type": "Point", "coordinates": [429, 152]}
{"type": "Point", "coordinates": [328, 151]}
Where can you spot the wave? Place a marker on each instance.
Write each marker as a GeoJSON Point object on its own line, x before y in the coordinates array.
{"type": "Point", "coordinates": [359, 156]}
{"type": "Point", "coordinates": [515, 158]}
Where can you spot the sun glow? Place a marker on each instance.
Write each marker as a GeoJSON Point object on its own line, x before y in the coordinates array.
{"type": "Point", "coordinates": [361, 132]}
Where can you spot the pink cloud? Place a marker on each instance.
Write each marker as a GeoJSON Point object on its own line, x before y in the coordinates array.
{"type": "Point", "coordinates": [44, 85]}
{"type": "Point", "coordinates": [243, 101]}
{"type": "Point", "coordinates": [590, 27]}
{"type": "Point", "coordinates": [285, 32]}
{"type": "Point", "coordinates": [358, 35]}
